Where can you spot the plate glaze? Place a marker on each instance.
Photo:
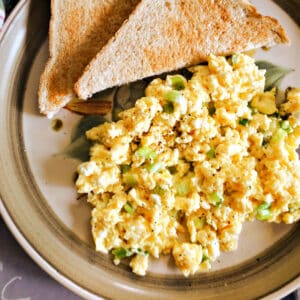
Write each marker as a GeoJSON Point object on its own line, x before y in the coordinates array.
{"type": "Point", "coordinates": [39, 202]}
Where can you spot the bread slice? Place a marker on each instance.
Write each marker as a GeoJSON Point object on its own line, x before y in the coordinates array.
{"type": "Point", "coordinates": [165, 35]}
{"type": "Point", "coordinates": [78, 30]}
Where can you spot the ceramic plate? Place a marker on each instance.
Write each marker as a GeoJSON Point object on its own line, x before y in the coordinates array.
{"type": "Point", "coordinates": [41, 207]}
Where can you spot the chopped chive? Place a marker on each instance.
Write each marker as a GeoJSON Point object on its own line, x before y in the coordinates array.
{"type": "Point", "coordinates": [178, 82]}
{"type": "Point", "coordinates": [173, 96]}
{"type": "Point", "coordinates": [124, 168]}
{"type": "Point", "coordinates": [278, 135]}
{"type": "Point", "coordinates": [211, 153]}
{"type": "Point", "coordinates": [285, 125]}
{"type": "Point", "coordinates": [168, 108]}
{"type": "Point", "coordinates": [145, 152]}
{"type": "Point", "coordinates": [121, 252]}
{"type": "Point", "coordinates": [182, 188]}
{"type": "Point", "coordinates": [141, 251]}
{"type": "Point", "coordinates": [215, 199]}
{"type": "Point", "coordinates": [211, 110]}
{"type": "Point", "coordinates": [204, 258]}
{"type": "Point", "coordinates": [244, 122]}
{"type": "Point", "coordinates": [130, 180]}
{"type": "Point", "coordinates": [263, 211]}
{"type": "Point", "coordinates": [172, 170]}
{"type": "Point", "coordinates": [154, 167]}
{"type": "Point", "coordinates": [129, 208]}
{"type": "Point", "coordinates": [199, 222]}
{"type": "Point", "coordinates": [159, 190]}
{"type": "Point", "coordinates": [234, 59]}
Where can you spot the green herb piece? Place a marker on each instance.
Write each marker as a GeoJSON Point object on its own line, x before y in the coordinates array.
{"type": "Point", "coordinates": [215, 199]}
{"type": "Point", "coordinates": [211, 110]}
{"type": "Point", "coordinates": [211, 153]}
{"type": "Point", "coordinates": [159, 190]}
{"type": "Point", "coordinates": [154, 167]}
{"type": "Point", "coordinates": [244, 122]}
{"type": "Point", "coordinates": [129, 208]}
{"type": "Point", "coordinates": [263, 211]}
{"type": "Point", "coordinates": [173, 96]}
{"type": "Point", "coordinates": [178, 82]}
{"type": "Point", "coordinates": [121, 252]}
{"type": "Point", "coordinates": [145, 152]}
{"type": "Point", "coordinates": [130, 180]}
{"type": "Point", "coordinates": [204, 258]}
{"type": "Point", "coordinates": [182, 188]}
{"type": "Point", "coordinates": [168, 108]}
{"type": "Point", "coordinates": [285, 125]}
{"type": "Point", "coordinates": [234, 59]}
{"type": "Point", "coordinates": [172, 170]}
{"type": "Point", "coordinates": [125, 168]}
{"type": "Point", "coordinates": [141, 252]}
{"type": "Point", "coordinates": [278, 135]}
{"type": "Point", "coordinates": [199, 222]}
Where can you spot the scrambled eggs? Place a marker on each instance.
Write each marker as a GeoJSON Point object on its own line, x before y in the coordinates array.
{"type": "Point", "coordinates": [182, 170]}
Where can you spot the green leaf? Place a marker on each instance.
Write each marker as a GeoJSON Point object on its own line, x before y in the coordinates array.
{"type": "Point", "coordinates": [86, 123]}
{"type": "Point", "coordinates": [274, 74]}
{"type": "Point", "coordinates": [78, 149]}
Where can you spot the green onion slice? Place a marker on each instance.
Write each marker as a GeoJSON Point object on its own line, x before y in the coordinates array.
{"type": "Point", "coordinates": [211, 110]}
{"type": "Point", "coordinates": [159, 190]}
{"type": "Point", "coordinates": [178, 82]}
{"type": "Point", "coordinates": [168, 108]}
{"type": "Point", "coordinates": [199, 222]}
{"type": "Point", "coordinates": [278, 135]}
{"type": "Point", "coordinates": [130, 180]}
{"type": "Point", "coordinates": [211, 153]}
{"type": "Point", "coordinates": [124, 168]}
{"type": "Point", "coordinates": [121, 252]}
{"type": "Point", "coordinates": [285, 125]}
{"type": "Point", "coordinates": [244, 122]}
{"type": "Point", "coordinates": [234, 59]}
{"type": "Point", "coordinates": [263, 211]}
{"type": "Point", "coordinates": [173, 96]}
{"type": "Point", "coordinates": [129, 208]}
{"type": "Point", "coordinates": [145, 152]}
{"type": "Point", "coordinates": [172, 170]}
{"type": "Point", "coordinates": [215, 199]}
{"type": "Point", "coordinates": [182, 188]}
{"type": "Point", "coordinates": [154, 167]}
{"type": "Point", "coordinates": [141, 252]}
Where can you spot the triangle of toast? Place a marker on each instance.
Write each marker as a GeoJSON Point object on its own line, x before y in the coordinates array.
{"type": "Point", "coordinates": [166, 35]}
{"type": "Point", "coordinates": [78, 29]}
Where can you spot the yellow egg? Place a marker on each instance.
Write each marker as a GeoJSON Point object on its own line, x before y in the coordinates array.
{"type": "Point", "coordinates": [192, 161]}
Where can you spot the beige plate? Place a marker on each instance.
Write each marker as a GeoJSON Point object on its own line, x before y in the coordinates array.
{"type": "Point", "coordinates": [39, 200]}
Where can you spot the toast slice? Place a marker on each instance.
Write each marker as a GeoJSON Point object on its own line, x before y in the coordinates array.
{"type": "Point", "coordinates": [165, 35]}
{"type": "Point", "coordinates": [78, 29]}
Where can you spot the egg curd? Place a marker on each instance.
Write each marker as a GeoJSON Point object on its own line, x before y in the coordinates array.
{"type": "Point", "coordinates": [182, 170]}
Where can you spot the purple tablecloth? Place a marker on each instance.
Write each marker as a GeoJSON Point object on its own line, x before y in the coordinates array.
{"type": "Point", "coordinates": [21, 278]}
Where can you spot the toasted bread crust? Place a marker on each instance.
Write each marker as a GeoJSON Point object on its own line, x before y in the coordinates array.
{"type": "Point", "coordinates": [77, 31]}
{"type": "Point", "coordinates": [165, 35]}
